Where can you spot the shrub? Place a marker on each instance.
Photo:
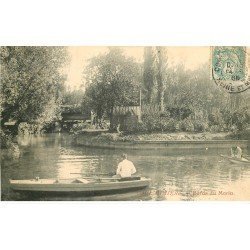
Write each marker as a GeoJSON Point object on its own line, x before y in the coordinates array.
{"type": "Point", "coordinates": [152, 122]}
{"type": "Point", "coordinates": [27, 128]}
{"type": "Point", "coordinates": [7, 142]}
{"type": "Point", "coordinates": [241, 119]}
{"type": "Point", "coordinates": [186, 125]}
{"type": "Point", "coordinates": [200, 126]}
{"type": "Point", "coordinates": [216, 129]}
{"type": "Point", "coordinates": [237, 120]}
{"type": "Point", "coordinates": [233, 129]}
{"type": "Point", "coordinates": [215, 118]}
{"type": "Point", "coordinates": [169, 125]}
{"type": "Point", "coordinates": [138, 127]}
{"type": "Point", "coordinates": [6, 139]}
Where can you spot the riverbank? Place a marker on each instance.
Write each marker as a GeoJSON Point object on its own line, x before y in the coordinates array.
{"type": "Point", "coordinates": [160, 140]}
{"type": "Point", "coordinates": [176, 175]}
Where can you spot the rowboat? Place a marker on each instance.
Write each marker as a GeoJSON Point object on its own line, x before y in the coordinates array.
{"type": "Point", "coordinates": [88, 185]}
{"type": "Point", "coordinates": [236, 160]}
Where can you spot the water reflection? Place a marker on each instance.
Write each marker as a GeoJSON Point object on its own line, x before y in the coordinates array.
{"type": "Point", "coordinates": [176, 175]}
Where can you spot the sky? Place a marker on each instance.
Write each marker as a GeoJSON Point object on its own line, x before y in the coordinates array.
{"type": "Point", "coordinates": [192, 57]}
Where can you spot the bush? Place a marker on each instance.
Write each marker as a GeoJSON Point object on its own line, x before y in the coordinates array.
{"type": "Point", "coordinates": [169, 125]}
{"type": "Point", "coordinates": [215, 118]}
{"type": "Point", "coordinates": [156, 122]}
{"type": "Point", "coordinates": [6, 140]}
{"type": "Point", "coordinates": [26, 128]}
{"type": "Point", "coordinates": [186, 125]}
{"type": "Point", "coordinates": [200, 126]}
{"type": "Point", "coordinates": [241, 119]}
{"type": "Point", "coordinates": [216, 129]}
{"type": "Point", "coordinates": [152, 122]}
{"type": "Point", "coordinates": [138, 127]}
{"type": "Point", "coordinates": [233, 129]}
{"type": "Point", "coordinates": [236, 121]}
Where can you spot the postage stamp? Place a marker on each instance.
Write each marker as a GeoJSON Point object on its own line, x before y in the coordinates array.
{"type": "Point", "coordinates": [229, 68]}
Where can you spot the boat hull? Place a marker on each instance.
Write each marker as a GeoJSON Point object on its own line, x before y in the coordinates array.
{"type": "Point", "coordinates": [235, 160]}
{"type": "Point", "coordinates": [96, 188]}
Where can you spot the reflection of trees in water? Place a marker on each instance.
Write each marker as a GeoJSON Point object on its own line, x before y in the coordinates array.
{"type": "Point", "coordinates": [42, 156]}
{"type": "Point", "coordinates": [231, 172]}
{"type": "Point", "coordinates": [188, 173]}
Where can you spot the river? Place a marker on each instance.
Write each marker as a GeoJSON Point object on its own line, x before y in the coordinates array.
{"type": "Point", "coordinates": [180, 175]}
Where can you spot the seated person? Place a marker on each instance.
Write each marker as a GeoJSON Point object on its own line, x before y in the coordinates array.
{"type": "Point", "coordinates": [125, 168]}
{"type": "Point", "coordinates": [236, 152]}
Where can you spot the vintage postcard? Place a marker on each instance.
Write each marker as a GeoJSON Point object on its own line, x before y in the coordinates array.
{"type": "Point", "coordinates": [125, 123]}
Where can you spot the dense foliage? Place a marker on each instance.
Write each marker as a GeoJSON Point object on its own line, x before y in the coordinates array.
{"type": "Point", "coordinates": [173, 98]}
{"type": "Point", "coordinates": [112, 79]}
{"type": "Point", "coordinates": [154, 75]}
{"type": "Point", "coordinates": [191, 100]}
{"type": "Point", "coordinates": [31, 80]}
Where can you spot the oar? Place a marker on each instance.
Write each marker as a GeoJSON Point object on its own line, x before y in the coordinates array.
{"type": "Point", "coordinates": [106, 178]}
{"type": "Point", "coordinates": [109, 174]}
{"type": "Point", "coordinates": [101, 178]}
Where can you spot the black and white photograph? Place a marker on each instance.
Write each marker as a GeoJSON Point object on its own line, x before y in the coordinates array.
{"type": "Point", "coordinates": [124, 124]}
{"type": "Point", "coordinates": [145, 123]}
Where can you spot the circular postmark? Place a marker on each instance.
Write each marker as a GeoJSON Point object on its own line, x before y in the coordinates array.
{"type": "Point", "coordinates": [229, 68]}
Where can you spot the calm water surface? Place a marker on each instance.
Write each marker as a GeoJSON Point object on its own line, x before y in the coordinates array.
{"type": "Point", "coordinates": [176, 175]}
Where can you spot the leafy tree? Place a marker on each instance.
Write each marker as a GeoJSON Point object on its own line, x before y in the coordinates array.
{"type": "Point", "coordinates": [73, 97]}
{"type": "Point", "coordinates": [155, 75]}
{"type": "Point", "coordinates": [112, 79]}
{"type": "Point", "coordinates": [31, 77]}
{"type": "Point", "coordinates": [149, 81]}
{"type": "Point", "coordinates": [194, 92]}
{"type": "Point", "coordinates": [192, 89]}
{"type": "Point", "coordinates": [161, 74]}
{"type": "Point", "coordinates": [72, 101]}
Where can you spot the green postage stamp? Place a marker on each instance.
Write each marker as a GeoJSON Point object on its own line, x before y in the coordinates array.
{"type": "Point", "coordinates": [229, 68]}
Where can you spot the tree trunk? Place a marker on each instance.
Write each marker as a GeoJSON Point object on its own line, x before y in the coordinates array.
{"type": "Point", "coordinates": [111, 119]}
{"type": "Point", "coordinates": [159, 78]}
{"type": "Point", "coordinates": [148, 74]}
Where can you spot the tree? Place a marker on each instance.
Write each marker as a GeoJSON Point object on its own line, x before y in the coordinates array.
{"type": "Point", "coordinates": [30, 78]}
{"type": "Point", "coordinates": [72, 100]}
{"type": "Point", "coordinates": [155, 75]}
{"type": "Point", "coordinates": [112, 79]}
{"type": "Point", "coordinates": [161, 71]}
{"type": "Point", "coordinates": [149, 74]}
{"type": "Point", "coordinates": [73, 97]}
